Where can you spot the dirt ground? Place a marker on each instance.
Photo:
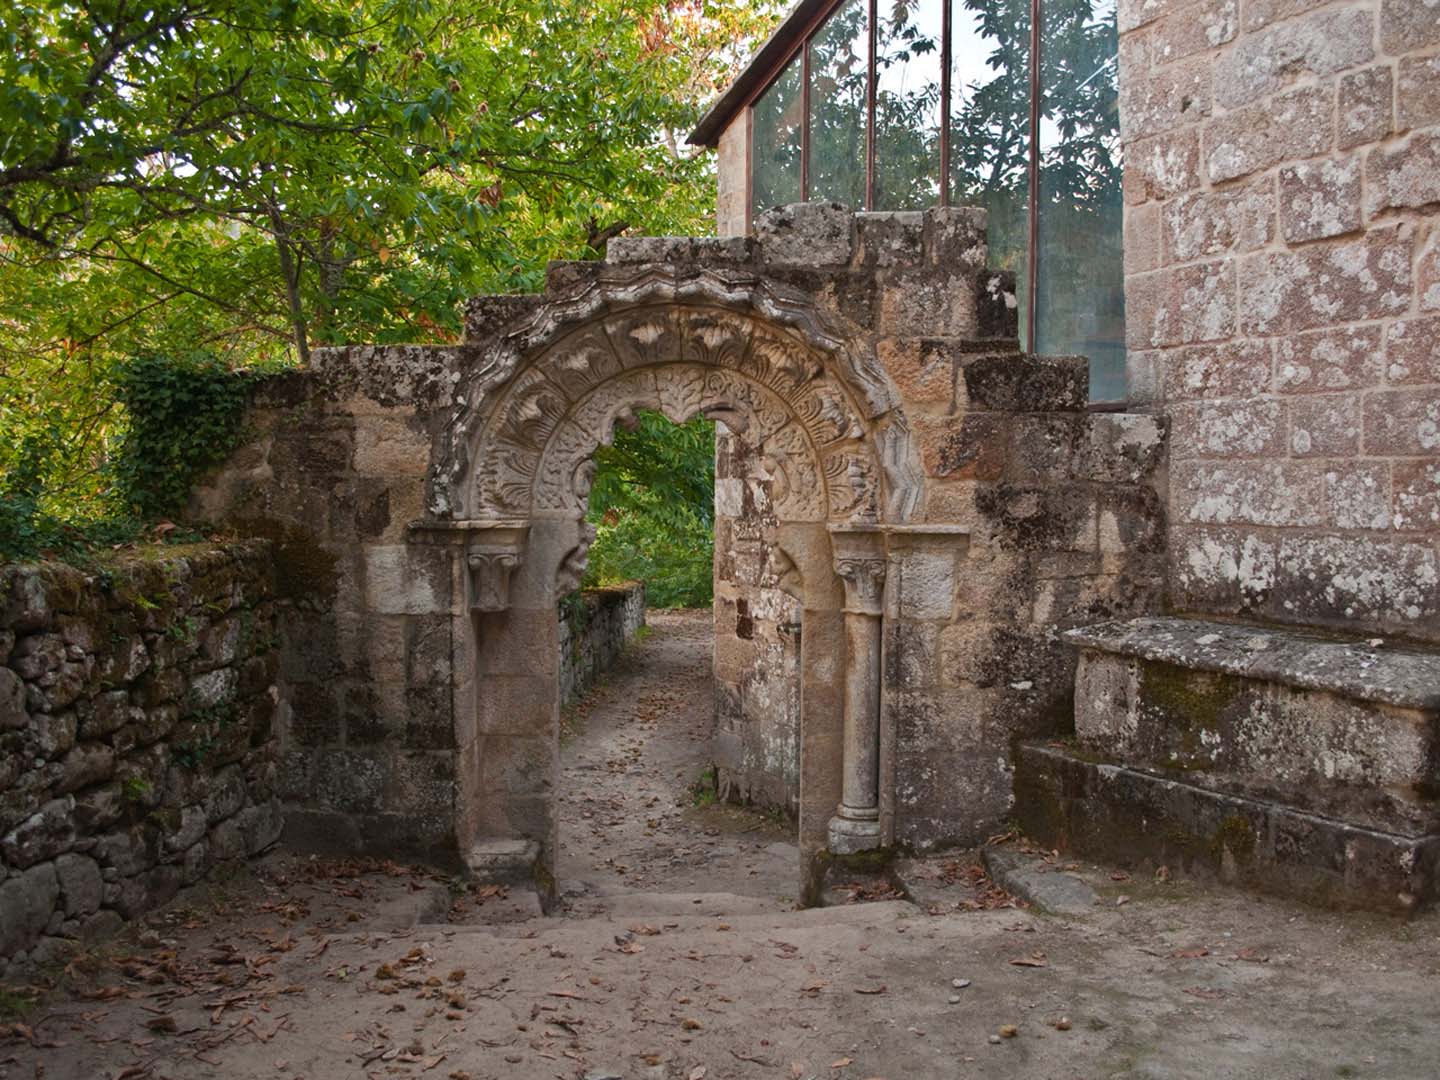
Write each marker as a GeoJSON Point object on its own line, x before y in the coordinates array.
{"type": "Point", "coordinates": [633, 752]}
{"type": "Point", "coordinates": [676, 954]}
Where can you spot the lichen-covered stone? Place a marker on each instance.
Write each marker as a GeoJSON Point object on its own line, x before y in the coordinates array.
{"type": "Point", "coordinates": [1178, 94]}
{"type": "Point", "coordinates": [1236, 369]}
{"type": "Point", "coordinates": [1405, 175]}
{"type": "Point", "coordinates": [1347, 358]}
{"type": "Point", "coordinates": [1311, 287]}
{"type": "Point", "coordinates": [1408, 24]}
{"type": "Point", "coordinates": [1162, 166]}
{"type": "Point", "coordinates": [812, 234]}
{"type": "Point", "coordinates": [131, 683]}
{"type": "Point", "coordinates": [1417, 91]}
{"type": "Point", "coordinates": [1208, 223]}
{"type": "Point", "coordinates": [1319, 44]}
{"type": "Point", "coordinates": [1320, 199]}
{"type": "Point", "coordinates": [1295, 124]}
{"type": "Point", "coordinates": [1364, 107]}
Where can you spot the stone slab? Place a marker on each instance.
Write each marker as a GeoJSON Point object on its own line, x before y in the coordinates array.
{"type": "Point", "coordinates": [1133, 817]}
{"type": "Point", "coordinates": [503, 861]}
{"type": "Point", "coordinates": [1365, 762]}
{"type": "Point", "coordinates": [1369, 669]}
{"type": "Point", "coordinates": [1050, 890]}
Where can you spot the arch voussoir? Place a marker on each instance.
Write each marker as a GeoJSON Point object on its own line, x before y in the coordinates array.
{"type": "Point", "coordinates": [732, 346]}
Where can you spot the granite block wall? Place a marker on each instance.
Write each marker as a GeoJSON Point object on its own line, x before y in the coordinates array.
{"type": "Point", "coordinates": [1282, 179]}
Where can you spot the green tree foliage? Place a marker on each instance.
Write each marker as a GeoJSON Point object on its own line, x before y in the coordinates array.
{"type": "Point", "coordinates": [652, 504]}
{"type": "Point", "coordinates": [249, 178]}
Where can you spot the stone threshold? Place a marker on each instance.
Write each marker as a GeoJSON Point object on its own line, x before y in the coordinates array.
{"type": "Point", "coordinates": [1362, 669]}
{"type": "Point", "coordinates": [1129, 816]}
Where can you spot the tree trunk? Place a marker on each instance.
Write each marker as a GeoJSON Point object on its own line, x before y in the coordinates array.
{"type": "Point", "coordinates": [291, 269]}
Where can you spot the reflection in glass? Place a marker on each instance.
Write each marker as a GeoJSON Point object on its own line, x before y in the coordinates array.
{"type": "Point", "coordinates": [775, 143]}
{"type": "Point", "coordinates": [1080, 288]}
{"type": "Point", "coordinates": [1079, 306]}
{"type": "Point", "coordinates": [838, 61]}
{"type": "Point", "coordinates": [990, 124]}
{"type": "Point", "coordinates": [907, 103]}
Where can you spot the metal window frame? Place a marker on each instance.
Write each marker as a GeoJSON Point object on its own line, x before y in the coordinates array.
{"type": "Point", "coordinates": [1032, 242]}
{"type": "Point", "coordinates": [801, 49]}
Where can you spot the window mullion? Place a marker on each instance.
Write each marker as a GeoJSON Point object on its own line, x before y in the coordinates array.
{"type": "Point", "coordinates": [870, 81]}
{"type": "Point", "coordinates": [945, 60]}
{"type": "Point", "coordinates": [805, 121]}
{"type": "Point", "coordinates": [1032, 263]}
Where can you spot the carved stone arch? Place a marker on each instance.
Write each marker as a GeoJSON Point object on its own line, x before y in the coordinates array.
{"type": "Point", "coordinates": [753, 412]}
{"type": "Point", "coordinates": [802, 388]}
{"type": "Point", "coordinates": [591, 345]}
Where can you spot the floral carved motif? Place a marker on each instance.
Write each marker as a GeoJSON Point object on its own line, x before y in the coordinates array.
{"type": "Point", "coordinates": [864, 580]}
{"type": "Point", "coordinates": [775, 371]}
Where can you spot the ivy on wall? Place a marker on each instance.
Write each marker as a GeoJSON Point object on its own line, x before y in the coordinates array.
{"type": "Point", "coordinates": [181, 416]}
{"type": "Point", "coordinates": [185, 418]}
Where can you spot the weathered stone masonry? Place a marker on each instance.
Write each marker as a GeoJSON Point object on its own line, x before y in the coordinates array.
{"type": "Point", "coordinates": [1281, 187]}
{"type": "Point", "coordinates": [923, 485]}
{"type": "Point", "coordinates": [137, 735]}
{"type": "Point", "coordinates": [594, 629]}
{"type": "Point", "coordinates": [1282, 173]}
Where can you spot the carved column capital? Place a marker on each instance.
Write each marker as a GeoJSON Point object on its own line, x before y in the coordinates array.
{"type": "Point", "coordinates": [490, 567]}
{"type": "Point", "coordinates": [864, 578]}
{"type": "Point", "coordinates": [860, 562]}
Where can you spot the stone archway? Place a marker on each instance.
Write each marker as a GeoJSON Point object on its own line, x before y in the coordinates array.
{"type": "Point", "coordinates": [425, 502]}
{"type": "Point", "coordinates": [797, 385]}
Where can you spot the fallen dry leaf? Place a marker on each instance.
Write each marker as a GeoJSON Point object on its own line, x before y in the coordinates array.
{"type": "Point", "coordinates": [1034, 960]}
{"type": "Point", "coordinates": [1193, 953]}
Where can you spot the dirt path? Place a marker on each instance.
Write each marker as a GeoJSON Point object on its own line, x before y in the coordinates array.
{"type": "Point", "coordinates": [635, 748]}
{"type": "Point", "coordinates": [686, 965]}
{"type": "Point", "coordinates": [307, 970]}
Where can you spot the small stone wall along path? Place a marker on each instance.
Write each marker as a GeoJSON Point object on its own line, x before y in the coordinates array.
{"type": "Point", "coordinates": [633, 751]}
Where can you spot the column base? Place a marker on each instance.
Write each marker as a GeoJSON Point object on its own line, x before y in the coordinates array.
{"type": "Point", "coordinates": [850, 837]}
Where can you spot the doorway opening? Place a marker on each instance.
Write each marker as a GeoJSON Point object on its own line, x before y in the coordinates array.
{"type": "Point", "coordinates": [658, 802]}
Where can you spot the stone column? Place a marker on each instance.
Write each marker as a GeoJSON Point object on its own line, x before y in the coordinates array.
{"type": "Point", "coordinates": [860, 563]}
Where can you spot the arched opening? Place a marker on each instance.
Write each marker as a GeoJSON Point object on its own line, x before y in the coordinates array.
{"type": "Point", "coordinates": [821, 436]}
{"type": "Point", "coordinates": [679, 766]}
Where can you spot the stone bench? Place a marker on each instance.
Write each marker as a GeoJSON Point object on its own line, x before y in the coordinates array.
{"type": "Point", "coordinates": [1296, 762]}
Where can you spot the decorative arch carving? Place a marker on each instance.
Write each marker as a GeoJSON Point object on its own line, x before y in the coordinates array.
{"type": "Point", "coordinates": [783, 375]}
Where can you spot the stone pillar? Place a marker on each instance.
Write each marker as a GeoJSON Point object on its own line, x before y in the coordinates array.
{"type": "Point", "coordinates": [860, 563]}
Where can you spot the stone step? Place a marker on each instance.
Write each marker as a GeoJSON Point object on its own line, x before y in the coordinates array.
{"type": "Point", "coordinates": [661, 911]}
{"type": "Point", "coordinates": [1348, 729]}
{"type": "Point", "coordinates": [1133, 816]}
{"type": "Point", "coordinates": [704, 904]}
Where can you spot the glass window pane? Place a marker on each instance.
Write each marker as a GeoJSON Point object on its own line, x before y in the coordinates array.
{"type": "Point", "coordinates": [1080, 301]}
{"type": "Point", "coordinates": [775, 143]}
{"type": "Point", "coordinates": [907, 104]}
{"type": "Point", "coordinates": [990, 124]}
{"type": "Point", "coordinates": [838, 57]}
